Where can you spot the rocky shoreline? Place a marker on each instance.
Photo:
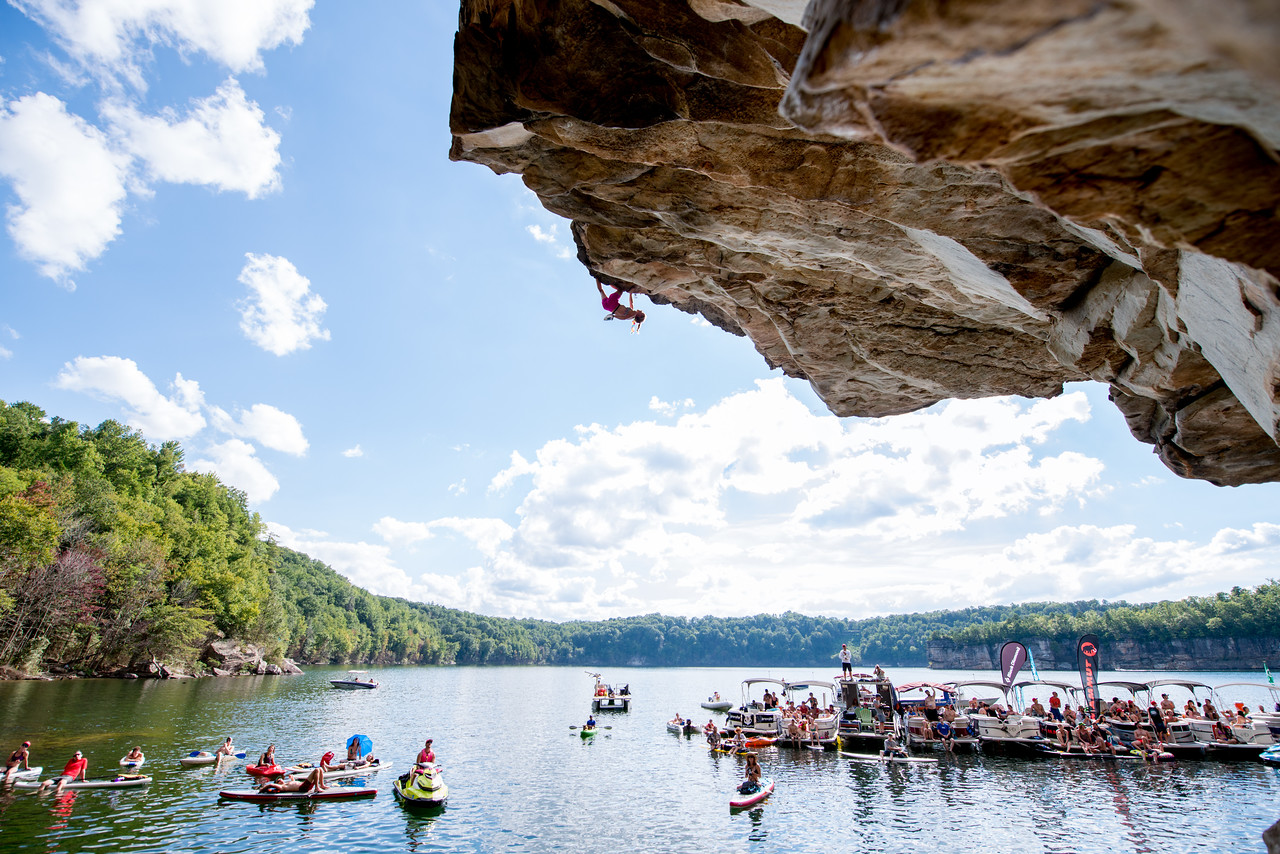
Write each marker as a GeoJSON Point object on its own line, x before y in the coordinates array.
{"type": "Point", "coordinates": [219, 658]}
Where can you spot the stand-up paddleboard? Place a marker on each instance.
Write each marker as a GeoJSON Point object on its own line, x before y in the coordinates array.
{"type": "Point", "coordinates": [130, 782]}
{"type": "Point", "coordinates": [739, 801]}
{"type": "Point", "coordinates": [1063, 754]}
{"type": "Point", "coordinates": [341, 773]}
{"type": "Point", "coordinates": [32, 773]}
{"type": "Point", "coordinates": [875, 757]}
{"type": "Point", "coordinates": [204, 757]}
{"type": "Point", "coordinates": [334, 794]}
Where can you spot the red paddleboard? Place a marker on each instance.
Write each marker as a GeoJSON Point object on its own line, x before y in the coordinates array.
{"type": "Point", "coordinates": [334, 794]}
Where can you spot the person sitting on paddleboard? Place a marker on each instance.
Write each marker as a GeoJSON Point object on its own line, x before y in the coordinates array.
{"type": "Point", "coordinates": [134, 755]}
{"type": "Point", "coordinates": [426, 755]}
{"type": "Point", "coordinates": [313, 782]}
{"type": "Point", "coordinates": [751, 776]}
{"type": "Point", "coordinates": [75, 768]}
{"type": "Point", "coordinates": [892, 748]}
{"type": "Point", "coordinates": [20, 758]}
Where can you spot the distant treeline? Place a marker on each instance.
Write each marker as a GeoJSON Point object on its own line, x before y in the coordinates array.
{"type": "Point", "coordinates": [111, 553]}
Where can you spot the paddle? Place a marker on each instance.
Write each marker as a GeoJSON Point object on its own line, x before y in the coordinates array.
{"type": "Point", "coordinates": [575, 726]}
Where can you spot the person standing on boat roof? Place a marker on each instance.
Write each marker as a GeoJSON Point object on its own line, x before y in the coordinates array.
{"type": "Point", "coordinates": [20, 758]}
{"type": "Point", "coordinates": [846, 661]}
{"type": "Point", "coordinates": [75, 768]}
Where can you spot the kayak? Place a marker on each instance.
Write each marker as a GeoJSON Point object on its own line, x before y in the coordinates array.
{"type": "Point", "coordinates": [126, 762]}
{"type": "Point", "coordinates": [423, 788]}
{"type": "Point", "coordinates": [875, 757]}
{"type": "Point", "coordinates": [334, 794]}
{"type": "Point", "coordinates": [31, 773]}
{"type": "Point", "coordinates": [739, 801]}
{"type": "Point", "coordinates": [266, 770]}
{"type": "Point", "coordinates": [117, 783]}
{"type": "Point", "coordinates": [341, 773]}
{"type": "Point", "coordinates": [760, 741]}
{"type": "Point", "coordinates": [587, 733]}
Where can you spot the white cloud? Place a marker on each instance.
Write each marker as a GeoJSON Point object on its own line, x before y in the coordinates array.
{"type": "Point", "coordinates": [5, 353]}
{"type": "Point", "coordinates": [669, 409]}
{"type": "Point", "coordinates": [281, 315]}
{"type": "Point", "coordinates": [112, 378]}
{"type": "Point", "coordinates": [116, 36]}
{"type": "Point", "coordinates": [70, 184]}
{"type": "Point", "coordinates": [266, 425]}
{"type": "Point", "coordinates": [551, 237]}
{"type": "Point", "coordinates": [236, 464]}
{"type": "Point", "coordinates": [352, 453]}
{"type": "Point", "coordinates": [223, 143]}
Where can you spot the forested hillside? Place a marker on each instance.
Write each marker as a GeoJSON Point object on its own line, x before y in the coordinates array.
{"type": "Point", "coordinates": [111, 553]}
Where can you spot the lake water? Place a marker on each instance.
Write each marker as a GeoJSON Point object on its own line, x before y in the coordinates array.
{"type": "Point", "coordinates": [521, 780]}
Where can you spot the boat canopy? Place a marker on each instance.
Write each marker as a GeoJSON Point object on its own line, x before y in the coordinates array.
{"type": "Point", "coordinates": [747, 683]}
{"type": "Point", "coordinates": [1132, 687]}
{"type": "Point", "coordinates": [811, 683]}
{"type": "Point", "coordinates": [1189, 684]}
{"type": "Point", "coordinates": [1048, 683]}
{"type": "Point", "coordinates": [948, 687]}
{"type": "Point", "coordinates": [981, 684]}
{"type": "Point", "coordinates": [1246, 685]}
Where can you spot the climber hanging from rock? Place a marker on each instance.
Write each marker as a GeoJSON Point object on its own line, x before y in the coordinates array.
{"type": "Point", "coordinates": [613, 304]}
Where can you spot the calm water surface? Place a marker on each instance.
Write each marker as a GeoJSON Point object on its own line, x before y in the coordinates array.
{"type": "Point", "coordinates": [521, 780]}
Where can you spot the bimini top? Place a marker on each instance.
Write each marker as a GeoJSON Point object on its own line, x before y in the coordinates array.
{"type": "Point", "coordinates": [1189, 684]}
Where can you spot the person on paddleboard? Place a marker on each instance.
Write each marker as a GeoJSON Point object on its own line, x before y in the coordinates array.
{"type": "Point", "coordinates": [75, 768]}
{"type": "Point", "coordinates": [751, 776]}
{"type": "Point", "coordinates": [313, 782]}
{"type": "Point", "coordinates": [19, 759]}
{"type": "Point", "coordinates": [892, 747]}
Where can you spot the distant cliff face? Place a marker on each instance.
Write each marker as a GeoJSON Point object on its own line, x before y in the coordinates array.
{"type": "Point", "coordinates": [1187, 654]}
{"type": "Point", "coordinates": [904, 201]}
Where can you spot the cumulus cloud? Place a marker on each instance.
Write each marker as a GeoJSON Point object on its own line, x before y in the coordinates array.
{"type": "Point", "coordinates": [115, 37]}
{"type": "Point", "coordinates": [550, 236]}
{"type": "Point", "coordinates": [159, 417]}
{"type": "Point", "coordinates": [352, 453]}
{"type": "Point", "coordinates": [236, 463]}
{"type": "Point", "coordinates": [669, 409]}
{"type": "Point", "coordinates": [223, 142]}
{"type": "Point", "coordinates": [69, 180]}
{"type": "Point", "coordinates": [266, 425]}
{"type": "Point", "coordinates": [281, 315]}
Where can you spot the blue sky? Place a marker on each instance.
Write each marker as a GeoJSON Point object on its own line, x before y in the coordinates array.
{"type": "Point", "coordinates": [235, 224]}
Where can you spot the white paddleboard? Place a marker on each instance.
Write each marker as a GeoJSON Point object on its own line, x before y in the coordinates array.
{"type": "Point", "coordinates": [872, 757]}
{"type": "Point", "coordinates": [91, 784]}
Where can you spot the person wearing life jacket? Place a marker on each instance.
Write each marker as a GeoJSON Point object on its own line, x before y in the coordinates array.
{"type": "Point", "coordinates": [426, 755]}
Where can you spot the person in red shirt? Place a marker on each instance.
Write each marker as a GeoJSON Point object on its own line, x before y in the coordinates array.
{"type": "Point", "coordinates": [1055, 706]}
{"type": "Point", "coordinates": [75, 768]}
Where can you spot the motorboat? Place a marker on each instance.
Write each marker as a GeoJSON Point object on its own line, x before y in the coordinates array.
{"type": "Point", "coordinates": [354, 682]}
{"type": "Point", "coordinates": [866, 705]}
{"type": "Point", "coordinates": [605, 698]}
{"type": "Point", "coordinates": [1013, 735]}
{"type": "Point", "coordinates": [1185, 738]}
{"type": "Point", "coordinates": [820, 727]}
{"type": "Point", "coordinates": [752, 716]}
{"type": "Point", "coordinates": [714, 703]}
{"type": "Point", "coordinates": [423, 786]}
{"type": "Point", "coordinates": [1270, 718]}
{"type": "Point", "coordinates": [922, 732]}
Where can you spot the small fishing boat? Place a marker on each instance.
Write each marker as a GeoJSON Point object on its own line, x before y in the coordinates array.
{"type": "Point", "coordinates": [334, 794]}
{"type": "Point", "coordinates": [355, 682]}
{"type": "Point", "coordinates": [128, 781]}
{"type": "Point", "coordinates": [738, 800]}
{"type": "Point", "coordinates": [422, 787]}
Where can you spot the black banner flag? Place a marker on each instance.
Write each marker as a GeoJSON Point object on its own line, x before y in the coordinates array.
{"type": "Point", "coordinates": [1012, 656]}
{"type": "Point", "coordinates": [1089, 661]}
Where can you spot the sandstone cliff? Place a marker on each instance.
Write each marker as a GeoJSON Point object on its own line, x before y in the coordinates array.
{"type": "Point", "coordinates": [904, 201]}
{"type": "Point", "coordinates": [1178, 654]}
